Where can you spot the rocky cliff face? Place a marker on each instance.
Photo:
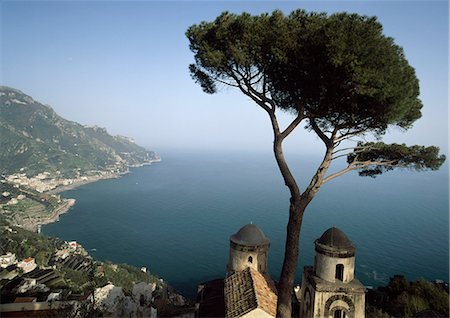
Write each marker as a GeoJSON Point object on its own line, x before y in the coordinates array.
{"type": "Point", "coordinates": [111, 301]}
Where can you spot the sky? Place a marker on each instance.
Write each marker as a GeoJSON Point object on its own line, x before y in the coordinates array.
{"type": "Point", "coordinates": [124, 66]}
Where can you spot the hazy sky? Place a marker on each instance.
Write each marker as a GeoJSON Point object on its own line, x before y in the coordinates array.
{"type": "Point", "coordinates": [124, 66]}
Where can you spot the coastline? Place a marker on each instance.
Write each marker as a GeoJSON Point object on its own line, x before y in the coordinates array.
{"type": "Point", "coordinates": [90, 179]}
{"type": "Point", "coordinates": [65, 207]}
{"type": "Point", "coordinates": [80, 183]}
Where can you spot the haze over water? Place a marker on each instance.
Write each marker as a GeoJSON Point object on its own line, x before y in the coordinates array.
{"type": "Point", "coordinates": [175, 217]}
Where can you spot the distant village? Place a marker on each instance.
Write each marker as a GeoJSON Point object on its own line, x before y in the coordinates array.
{"type": "Point", "coordinates": [44, 181]}
{"type": "Point", "coordinates": [28, 288]}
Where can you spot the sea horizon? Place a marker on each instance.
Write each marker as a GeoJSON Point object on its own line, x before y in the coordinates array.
{"type": "Point", "coordinates": [175, 217]}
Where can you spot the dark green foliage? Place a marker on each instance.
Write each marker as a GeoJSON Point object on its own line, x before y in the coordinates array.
{"type": "Point", "coordinates": [125, 275]}
{"type": "Point", "coordinates": [397, 285]}
{"type": "Point", "coordinates": [339, 69]}
{"type": "Point", "coordinates": [26, 244]}
{"type": "Point", "coordinates": [339, 73]}
{"type": "Point", "coordinates": [373, 312]}
{"type": "Point", "coordinates": [203, 79]}
{"type": "Point", "coordinates": [78, 281]}
{"type": "Point", "coordinates": [42, 257]}
{"type": "Point", "coordinates": [378, 157]}
{"type": "Point", "coordinates": [405, 299]}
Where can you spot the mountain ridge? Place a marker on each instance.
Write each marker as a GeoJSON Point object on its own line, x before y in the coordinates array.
{"type": "Point", "coordinates": [36, 139]}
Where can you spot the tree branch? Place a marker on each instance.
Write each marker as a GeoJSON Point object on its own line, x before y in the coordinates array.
{"type": "Point", "coordinates": [347, 148]}
{"type": "Point", "coordinates": [224, 82]}
{"type": "Point", "coordinates": [350, 167]}
{"type": "Point", "coordinates": [292, 125]}
{"type": "Point", "coordinates": [246, 90]}
{"type": "Point", "coordinates": [349, 133]}
{"type": "Point", "coordinates": [288, 178]}
{"type": "Point", "coordinates": [339, 156]}
{"type": "Point", "coordinates": [317, 180]}
{"type": "Point", "coordinates": [327, 141]}
{"type": "Point", "coordinates": [356, 151]}
{"type": "Point", "coordinates": [358, 165]}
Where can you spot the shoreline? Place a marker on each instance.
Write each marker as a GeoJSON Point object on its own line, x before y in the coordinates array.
{"type": "Point", "coordinates": [65, 207]}
{"type": "Point", "coordinates": [91, 179]}
{"type": "Point", "coordinates": [54, 217]}
{"type": "Point", "coordinates": [80, 183]}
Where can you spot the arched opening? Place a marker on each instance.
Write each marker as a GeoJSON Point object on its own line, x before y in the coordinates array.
{"type": "Point", "coordinates": [250, 259]}
{"type": "Point", "coordinates": [339, 314]}
{"type": "Point", "coordinates": [342, 303]}
{"type": "Point", "coordinates": [339, 272]}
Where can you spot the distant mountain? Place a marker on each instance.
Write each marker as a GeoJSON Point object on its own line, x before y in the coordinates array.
{"type": "Point", "coordinates": [33, 139]}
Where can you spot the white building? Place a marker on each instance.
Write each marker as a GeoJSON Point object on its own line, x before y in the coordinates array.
{"type": "Point", "coordinates": [27, 265]}
{"type": "Point", "coordinates": [7, 259]}
{"type": "Point", "coordinates": [73, 245]}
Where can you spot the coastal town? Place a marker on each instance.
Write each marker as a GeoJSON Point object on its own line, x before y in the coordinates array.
{"type": "Point", "coordinates": [40, 275]}
{"type": "Point", "coordinates": [301, 178]}
{"type": "Point", "coordinates": [45, 181]}
{"type": "Point", "coordinates": [32, 201]}
{"type": "Point", "coordinates": [62, 279]}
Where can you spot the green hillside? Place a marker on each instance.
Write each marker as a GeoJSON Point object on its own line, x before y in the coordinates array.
{"type": "Point", "coordinates": [35, 139]}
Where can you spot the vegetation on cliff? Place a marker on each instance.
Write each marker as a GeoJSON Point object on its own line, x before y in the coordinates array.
{"type": "Point", "coordinates": [401, 298]}
{"type": "Point", "coordinates": [36, 139]}
{"type": "Point", "coordinates": [76, 275]}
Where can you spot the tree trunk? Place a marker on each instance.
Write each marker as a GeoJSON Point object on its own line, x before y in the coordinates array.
{"type": "Point", "coordinates": [296, 211]}
{"type": "Point", "coordinates": [286, 283]}
{"type": "Point", "coordinates": [299, 202]}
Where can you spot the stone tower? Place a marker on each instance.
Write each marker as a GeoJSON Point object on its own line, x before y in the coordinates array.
{"type": "Point", "coordinates": [330, 289]}
{"type": "Point", "coordinates": [249, 247]}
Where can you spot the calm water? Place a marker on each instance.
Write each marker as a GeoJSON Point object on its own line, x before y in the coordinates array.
{"type": "Point", "coordinates": [175, 217]}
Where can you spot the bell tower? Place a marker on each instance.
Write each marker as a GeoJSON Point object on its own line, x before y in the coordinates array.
{"type": "Point", "coordinates": [249, 247]}
{"type": "Point", "coordinates": [330, 289]}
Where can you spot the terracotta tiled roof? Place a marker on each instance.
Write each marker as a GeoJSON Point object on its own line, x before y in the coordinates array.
{"type": "Point", "coordinates": [248, 290]}
{"type": "Point", "coordinates": [265, 292]}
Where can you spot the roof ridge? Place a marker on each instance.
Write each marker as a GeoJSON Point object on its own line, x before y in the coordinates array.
{"type": "Point", "coordinates": [261, 303]}
{"type": "Point", "coordinates": [255, 294]}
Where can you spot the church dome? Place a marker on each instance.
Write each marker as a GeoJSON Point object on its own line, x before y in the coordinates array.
{"type": "Point", "coordinates": [249, 235]}
{"type": "Point", "coordinates": [334, 241]}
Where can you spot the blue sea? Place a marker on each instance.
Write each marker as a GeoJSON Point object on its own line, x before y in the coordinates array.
{"type": "Point", "coordinates": [175, 217]}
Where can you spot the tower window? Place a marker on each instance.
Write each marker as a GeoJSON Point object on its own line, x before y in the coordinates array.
{"type": "Point", "coordinates": [338, 313]}
{"type": "Point", "coordinates": [250, 259]}
{"type": "Point", "coordinates": [339, 272]}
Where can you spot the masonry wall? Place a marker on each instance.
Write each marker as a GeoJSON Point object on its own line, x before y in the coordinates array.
{"type": "Point", "coordinates": [239, 258]}
{"type": "Point", "coordinates": [325, 303]}
{"type": "Point", "coordinates": [326, 267]}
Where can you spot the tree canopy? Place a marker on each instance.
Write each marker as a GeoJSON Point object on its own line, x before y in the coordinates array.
{"type": "Point", "coordinates": [339, 74]}
{"type": "Point", "coordinates": [339, 71]}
